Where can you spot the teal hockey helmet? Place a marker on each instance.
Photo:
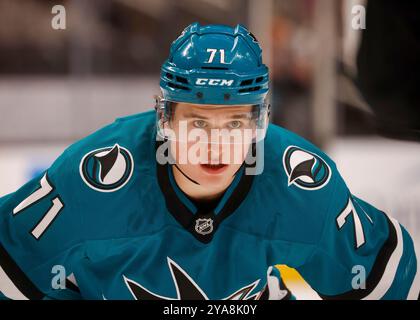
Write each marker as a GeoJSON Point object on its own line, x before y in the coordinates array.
{"type": "Point", "coordinates": [215, 64]}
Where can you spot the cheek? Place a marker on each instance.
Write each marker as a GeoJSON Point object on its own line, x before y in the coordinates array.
{"type": "Point", "coordinates": [182, 148]}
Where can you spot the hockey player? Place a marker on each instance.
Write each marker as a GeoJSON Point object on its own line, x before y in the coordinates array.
{"type": "Point", "coordinates": [152, 206]}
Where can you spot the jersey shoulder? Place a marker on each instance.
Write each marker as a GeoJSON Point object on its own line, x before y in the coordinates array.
{"type": "Point", "coordinates": [279, 140]}
{"type": "Point", "coordinates": [99, 174]}
{"type": "Point", "coordinates": [125, 133]}
{"type": "Point", "coordinates": [299, 181]}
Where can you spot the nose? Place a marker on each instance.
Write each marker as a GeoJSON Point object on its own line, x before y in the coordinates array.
{"type": "Point", "coordinates": [218, 153]}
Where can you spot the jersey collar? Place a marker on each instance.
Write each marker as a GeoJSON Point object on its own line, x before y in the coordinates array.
{"type": "Point", "coordinates": [202, 224]}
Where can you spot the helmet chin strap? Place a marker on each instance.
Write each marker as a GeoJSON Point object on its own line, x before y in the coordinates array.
{"type": "Point", "coordinates": [195, 182]}
{"type": "Point", "coordinates": [185, 175]}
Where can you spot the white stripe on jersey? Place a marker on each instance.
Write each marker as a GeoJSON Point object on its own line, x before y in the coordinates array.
{"type": "Point", "coordinates": [8, 288]}
{"type": "Point", "coordinates": [391, 268]}
{"type": "Point", "coordinates": [414, 292]}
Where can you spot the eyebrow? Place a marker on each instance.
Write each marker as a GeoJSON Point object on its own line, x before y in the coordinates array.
{"type": "Point", "coordinates": [240, 116]}
{"type": "Point", "coordinates": [234, 116]}
{"type": "Point", "coordinates": [195, 115]}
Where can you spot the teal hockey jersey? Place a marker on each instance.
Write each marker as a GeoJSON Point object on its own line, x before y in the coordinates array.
{"type": "Point", "coordinates": [107, 221]}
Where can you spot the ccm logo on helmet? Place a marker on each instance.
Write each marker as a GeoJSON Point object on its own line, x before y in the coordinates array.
{"type": "Point", "coordinates": [213, 82]}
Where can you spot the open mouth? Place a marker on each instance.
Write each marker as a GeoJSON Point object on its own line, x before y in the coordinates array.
{"type": "Point", "coordinates": [213, 168]}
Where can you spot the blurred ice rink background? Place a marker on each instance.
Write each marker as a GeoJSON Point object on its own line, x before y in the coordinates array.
{"type": "Point", "coordinates": [56, 86]}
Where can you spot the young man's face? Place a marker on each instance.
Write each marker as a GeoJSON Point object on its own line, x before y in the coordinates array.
{"type": "Point", "coordinates": [211, 142]}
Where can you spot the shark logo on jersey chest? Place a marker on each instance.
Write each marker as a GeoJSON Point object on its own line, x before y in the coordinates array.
{"type": "Point", "coordinates": [107, 169]}
{"type": "Point", "coordinates": [305, 169]}
{"type": "Point", "coordinates": [188, 289]}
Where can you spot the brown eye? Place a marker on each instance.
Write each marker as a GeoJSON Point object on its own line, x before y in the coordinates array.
{"type": "Point", "coordinates": [199, 124]}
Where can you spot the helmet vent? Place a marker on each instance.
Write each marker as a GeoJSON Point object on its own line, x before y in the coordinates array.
{"type": "Point", "coordinates": [169, 75]}
{"type": "Point", "coordinates": [182, 79]}
{"type": "Point", "coordinates": [177, 86]}
{"type": "Point", "coordinates": [246, 82]}
{"type": "Point", "coordinates": [259, 79]}
{"type": "Point", "coordinates": [249, 89]}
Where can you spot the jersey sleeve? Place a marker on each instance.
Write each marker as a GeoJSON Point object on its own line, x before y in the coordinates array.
{"type": "Point", "coordinates": [363, 253]}
{"type": "Point", "coordinates": [41, 236]}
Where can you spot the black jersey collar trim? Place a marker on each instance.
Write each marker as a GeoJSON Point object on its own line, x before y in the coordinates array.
{"type": "Point", "coordinates": [202, 225]}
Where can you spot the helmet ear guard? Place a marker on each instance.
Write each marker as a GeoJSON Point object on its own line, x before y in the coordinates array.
{"type": "Point", "coordinates": [163, 115]}
{"type": "Point", "coordinates": [160, 106]}
{"type": "Point", "coordinates": [263, 119]}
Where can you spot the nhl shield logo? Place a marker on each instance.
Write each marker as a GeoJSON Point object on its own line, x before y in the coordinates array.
{"type": "Point", "coordinates": [305, 169]}
{"type": "Point", "coordinates": [107, 169]}
{"type": "Point", "coordinates": [204, 226]}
